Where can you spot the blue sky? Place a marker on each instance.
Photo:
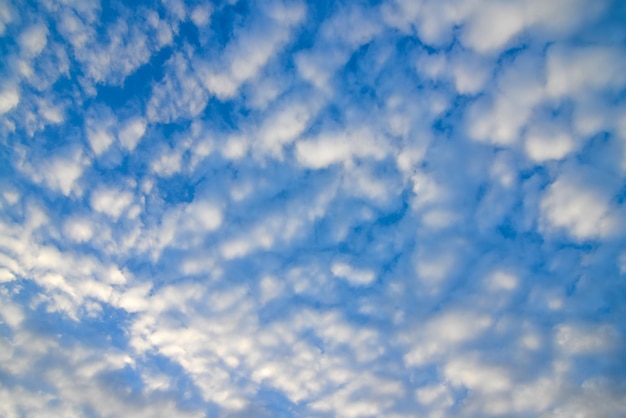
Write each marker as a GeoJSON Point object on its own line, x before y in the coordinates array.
{"type": "Point", "coordinates": [313, 209]}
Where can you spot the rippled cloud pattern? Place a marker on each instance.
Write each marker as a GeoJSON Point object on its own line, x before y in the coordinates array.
{"type": "Point", "coordinates": [289, 208]}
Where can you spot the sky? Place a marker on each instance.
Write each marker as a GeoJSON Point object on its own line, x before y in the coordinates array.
{"type": "Point", "coordinates": [282, 208]}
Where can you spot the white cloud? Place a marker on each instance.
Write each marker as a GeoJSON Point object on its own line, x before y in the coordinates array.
{"type": "Point", "coordinates": [580, 70]}
{"type": "Point", "coordinates": [53, 113]}
{"type": "Point", "coordinates": [436, 263]}
{"type": "Point", "coordinates": [128, 44]}
{"type": "Point", "coordinates": [500, 117]}
{"type": "Point", "coordinates": [455, 327]}
{"type": "Point", "coordinates": [332, 49]}
{"type": "Point", "coordinates": [439, 218]}
{"type": "Point", "coordinates": [236, 147]}
{"type": "Point", "coordinates": [434, 66]}
{"type": "Point", "coordinates": [131, 132]}
{"type": "Point", "coordinates": [201, 147]}
{"type": "Point", "coordinates": [264, 91]}
{"type": "Point", "coordinates": [79, 229]}
{"type": "Point", "coordinates": [134, 299]}
{"type": "Point", "coordinates": [7, 14]}
{"type": "Point", "coordinates": [585, 339]}
{"type": "Point", "coordinates": [202, 214]}
{"type": "Point", "coordinates": [432, 20]}
{"type": "Point", "coordinates": [470, 73]}
{"type": "Point", "coordinates": [177, 8]}
{"type": "Point", "coordinates": [318, 66]}
{"type": "Point", "coordinates": [580, 208]}
{"type": "Point", "coordinates": [323, 152]}
{"type": "Point", "coordinates": [271, 288]}
{"type": "Point", "coordinates": [437, 394]}
{"type": "Point", "coordinates": [12, 314]}
{"type": "Point", "coordinates": [111, 201]}
{"type": "Point", "coordinates": [6, 275]}
{"type": "Point", "coordinates": [264, 235]}
{"type": "Point", "coordinates": [548, 142]}
{"type": "Point", "coordinates": [492, 25]}
{"type": "Point", "coordinates": [79, 377]}
{"type": "Point", "coordinates": [362, 182]}
{"type": "Point", "coordinates": [599, 397]}
{"type": "Point", "coordinates": [502, 281]}
{"type": "Point", "coordinates": [201, 15]}
{"type": "Point", "coordinates": [33, 40]}
{"type": "Point", "coordinates": [179, 95]}
{"type": "Point", "coordinates": [207, 363]}
{"type": "Point", "coordinates": [331, 148]}
{"type": "Point", "coordinates": [442, 333]}
{"type": "Point", "coordinates": [488, 26]}
{"type": "Point", "coordinates": [276, 228]}
{"type": "Point", "coordinates": [473, 375]}
{"type": "Point", "coordinates": [362, 21]}
{"type": "Point", "coordinates": [427, 190]}
{"type": "Point", "coordinates": [9, 99]}
{"type": "Point", "coordinates": [72, 281]}
{"type": "Point", "coordinates": [249, 51]}
{"type": "Point", "coordinates": [284, 126]}
{"type": "Point", "coordinates": [366, 396]}
{"type": "Point", "coordinates": [61, 172]}
{"type": "Point", "coordinates": [356, 277]}
{"type": "Point", "coordinates": [100, 127]}
{"type": "Point", "coordinates": [182, 226]}
{"type": "Point", "coordinates": [168, 162]}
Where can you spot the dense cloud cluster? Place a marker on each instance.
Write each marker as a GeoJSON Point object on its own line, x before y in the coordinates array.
{"type": "Point", "coordinates": [400, 208]}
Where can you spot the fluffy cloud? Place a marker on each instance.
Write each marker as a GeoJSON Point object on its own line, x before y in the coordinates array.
{"type": "Point", "coordinates": [9, 98]}
{"type": "Point", "coordinates": [581, 207]}
{"type": "Point", "coordinates": [131, 131]}
{"type": "Point", "coordinates": [572, 71]}
{"type": "Point", "coordinates": [354, 276]}
{"type": "Point", "coordinates": [33, 40]}
{"type": "Point", "coordinates": [251, 49]}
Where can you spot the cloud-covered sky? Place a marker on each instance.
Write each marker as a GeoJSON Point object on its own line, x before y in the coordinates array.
{"type": "Point", "coordinates": [402, 208]}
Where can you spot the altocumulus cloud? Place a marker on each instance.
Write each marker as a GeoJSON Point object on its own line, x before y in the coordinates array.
{"type": "Point", "coordinates": [402, 208]}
